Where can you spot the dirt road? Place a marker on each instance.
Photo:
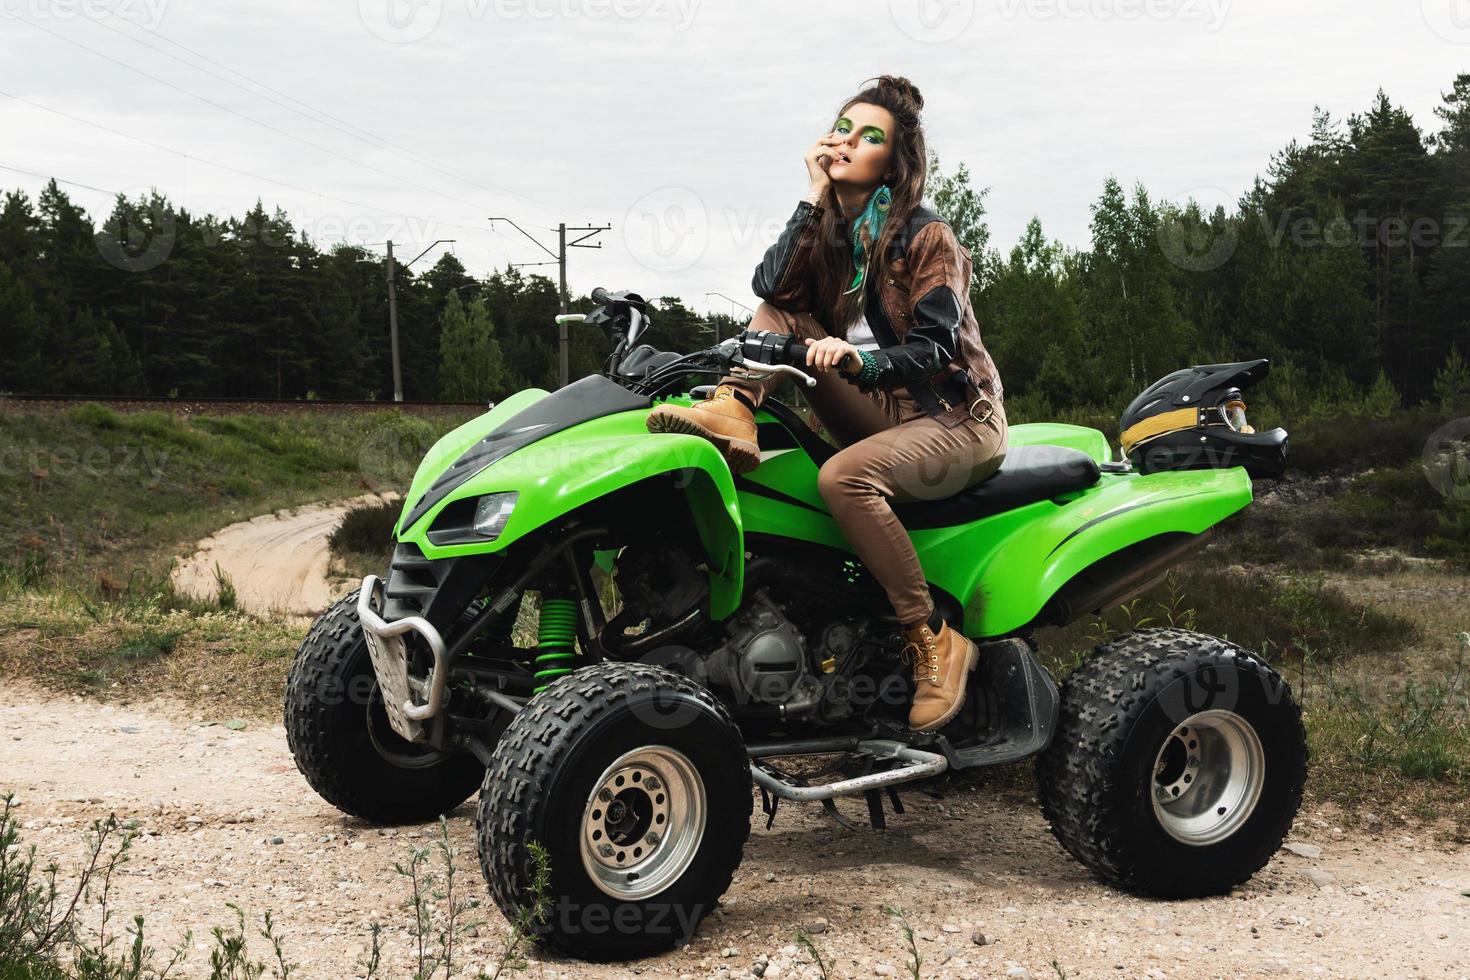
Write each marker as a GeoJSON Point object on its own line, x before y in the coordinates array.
{"type": "Point", "coordinates": [225, 817]}
{"type": "Point", "coordinates": [276, 562]}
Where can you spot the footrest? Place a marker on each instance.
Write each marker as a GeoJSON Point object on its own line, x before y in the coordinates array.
{"type": "Point", "coordinates": [917, 764]}
{"type": "Point", "coordinates": [1028, 704]}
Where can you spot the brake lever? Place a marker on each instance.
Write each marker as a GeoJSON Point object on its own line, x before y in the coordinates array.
{"type": "Point", "coordinates": [763, 370]}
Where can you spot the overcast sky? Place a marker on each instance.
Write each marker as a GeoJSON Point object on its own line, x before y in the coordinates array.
{"type": "Point", "coordinates": [680, 123]}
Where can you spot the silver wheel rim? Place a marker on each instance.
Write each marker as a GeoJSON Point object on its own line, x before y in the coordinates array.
{"type": "Point", "coordinates": [643, 822]}
{"type": "Point", "coordinates": [1207, 777]}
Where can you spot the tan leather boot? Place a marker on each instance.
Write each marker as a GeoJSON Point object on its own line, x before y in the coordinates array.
{"type": "Point", "coordinates": [722, 419]}
{"type": "Point", "coordinates": [942, 664]}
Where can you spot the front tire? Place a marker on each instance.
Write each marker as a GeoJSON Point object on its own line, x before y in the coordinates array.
{"type": "Point", "coordinates": [339, 734]}
{"type": "Point", "coordinates": [1178, 764]}
{"type": "Point", "coordinates": [636, 782]}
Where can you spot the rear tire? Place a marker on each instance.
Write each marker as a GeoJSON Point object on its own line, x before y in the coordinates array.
{"type": "Point", "coordinates": [634, 870]}
{"type": "Point", "coordinates": [339, 734]}
{"type": "Point", "coordinates": [1178, 764]}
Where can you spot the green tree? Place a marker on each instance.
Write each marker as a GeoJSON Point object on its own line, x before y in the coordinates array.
{"type": "Point", "coordinates": [1452, 381]}
{"type": "Point", "coordinates": [1034, 325]}
{"type": "Point", "coordinates": [1138, 333]}
{"type": "Point", "coordinates": [959, 204]}
{"type": "Point", "coordinates": [471, 367]}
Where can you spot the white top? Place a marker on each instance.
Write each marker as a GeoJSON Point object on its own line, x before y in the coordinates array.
{"type": "Point", "coordinates": [860, 335]}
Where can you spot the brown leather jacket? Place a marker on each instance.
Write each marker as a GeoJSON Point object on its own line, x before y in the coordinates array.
{"type": "Point", "coordinates": [920, 311]}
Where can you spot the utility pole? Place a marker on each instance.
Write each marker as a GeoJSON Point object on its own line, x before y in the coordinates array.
{"type": "Point", "coordinates": [733, 303]}
{"type": "Point", "coordinates": [560, 258]}
{"type": "Point", "coordinates": [563, 339]}
{"type": "Point", "coordinates": [393, 312]}
{"type": "Point", "coordinates": [393, 328]}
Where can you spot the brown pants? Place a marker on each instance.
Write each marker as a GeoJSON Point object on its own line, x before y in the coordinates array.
{"type": "Point", "coordinates": [891, 450]}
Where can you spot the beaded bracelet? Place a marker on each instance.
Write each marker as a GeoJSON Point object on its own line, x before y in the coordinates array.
{"type": "Point", "coordinates": [869, 373]}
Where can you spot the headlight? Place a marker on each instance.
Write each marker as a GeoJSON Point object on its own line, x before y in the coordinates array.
{"type": "Point", "coordinates": [492, 511]}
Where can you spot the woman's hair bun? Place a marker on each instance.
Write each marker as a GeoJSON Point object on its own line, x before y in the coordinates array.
{"type": "Point", "coordinates": [903, 87]}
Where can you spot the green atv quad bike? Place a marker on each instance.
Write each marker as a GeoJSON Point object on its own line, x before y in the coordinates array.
{"type": "Point", "coordinates": [1171, 763]}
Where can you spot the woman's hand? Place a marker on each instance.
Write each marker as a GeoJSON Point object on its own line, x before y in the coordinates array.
{"type": "Point", "coordinates": [832, 352]}
{"type": "Point", "coordinates": [818, 159]}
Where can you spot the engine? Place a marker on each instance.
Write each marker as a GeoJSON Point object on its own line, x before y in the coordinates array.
{"type": "Point", "coordinates": [765, 661]}
{"type": "Point", "coordinates": [767, 664]}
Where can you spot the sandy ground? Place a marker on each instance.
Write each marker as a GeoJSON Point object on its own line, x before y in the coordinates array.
{"type": "Point", "coordinates": [224, 816]}
{"type": "Point", "coordinates": [278, 563]}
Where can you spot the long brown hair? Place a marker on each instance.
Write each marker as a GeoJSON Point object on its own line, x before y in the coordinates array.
{"type": "Point", "coordinates": [832, 268]}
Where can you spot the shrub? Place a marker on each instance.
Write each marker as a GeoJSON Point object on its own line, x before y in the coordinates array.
{"type": "Point", "coordinates": [95, 415]}
{"type": "Point", "coordinates": [367, 529]}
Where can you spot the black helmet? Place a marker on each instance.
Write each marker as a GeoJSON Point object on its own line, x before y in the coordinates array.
{"type": "Point", "coordinates": [1195, 419]}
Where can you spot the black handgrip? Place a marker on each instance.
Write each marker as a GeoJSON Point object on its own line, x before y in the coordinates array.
{"type": "Point", "coordinates": [768, 347]}
{"type": "Point", "coordinates": [796, 352]}
{"type": "Point", "coordinates": [600, 296]}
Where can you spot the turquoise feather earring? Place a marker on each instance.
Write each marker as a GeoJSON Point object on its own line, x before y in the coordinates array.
{"type": "Point", "coordinates": [865, 231]}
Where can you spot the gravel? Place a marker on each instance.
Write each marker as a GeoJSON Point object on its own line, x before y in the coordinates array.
{"type": "Point", "coordinates": [986, 868]}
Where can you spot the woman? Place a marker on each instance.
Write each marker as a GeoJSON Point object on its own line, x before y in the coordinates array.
{"type": "Point", "coordinates": [878, 287]}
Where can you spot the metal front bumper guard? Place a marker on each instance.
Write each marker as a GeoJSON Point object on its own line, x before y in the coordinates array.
{"type": "Point", "coordinates": [409, 700]}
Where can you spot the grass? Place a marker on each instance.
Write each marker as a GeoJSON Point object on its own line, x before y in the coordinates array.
{"type": "Point", "coordinates": [1384, 683]}
{"type": "Point", "coordinates": [1390, 509]}
{"type": "Point", "coordinates": [1285, 616]}
{"type": "Point", "coordinates": [916, 960]}
{"type": "Point", "coordinates": [92, 494]}
{"type": "Point", "coordinates": [57, 925]}
{"type": "Point", "coordinates": [144, 640]}
{"type": "Point", "coordinates": [98, 504]}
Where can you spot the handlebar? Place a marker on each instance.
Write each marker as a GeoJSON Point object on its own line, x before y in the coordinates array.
{"type": "Point", "coordinates": [769, 348]}
{"type": "Point", "coordinates": [758, 352]}
{"type": "Point", "coordinates": [767, 352]}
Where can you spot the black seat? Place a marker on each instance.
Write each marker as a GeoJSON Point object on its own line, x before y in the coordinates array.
{"type": "Point", "coordinates": [1028, 474]}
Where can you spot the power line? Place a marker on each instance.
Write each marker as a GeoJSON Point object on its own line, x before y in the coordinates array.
{"type": "Point", "coordinates": [241, 115]}
{"type": "Point", "coordinates": [370, 138]}
{"type": "Point", "coordinates": [212, 163]}
{"type": "Point", "coordinates": [275, 129]}
{"type": "Point", "coordinates": [59, 180]}
{"type": "Point", "coordinates": [103, 190]}
{"type": "Point", "coordinates": [224, 166]}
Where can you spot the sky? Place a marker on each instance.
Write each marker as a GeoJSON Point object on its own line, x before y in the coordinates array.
{"type": "Point", "coordinates": [681, 124]}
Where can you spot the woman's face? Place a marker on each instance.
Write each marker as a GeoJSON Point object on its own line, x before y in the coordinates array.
{"type": "Point", "coordinates": [863, 158]}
